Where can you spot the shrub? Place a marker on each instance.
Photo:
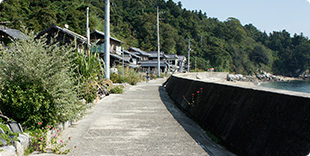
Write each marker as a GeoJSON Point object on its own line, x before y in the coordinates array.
{"type": "Point", "coordinates": [117, 78]}
{"type": "Point", "coordinates": [38, 83]}
{"type": "Point", "coordinates": [117, 90]}
{"type": "Point", "coordinates": [90, 73]}
{"type": "Point", "coordinates": [130, 76]}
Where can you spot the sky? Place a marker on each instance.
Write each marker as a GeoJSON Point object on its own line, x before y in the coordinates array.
{"type": "Point", "coordinates": [265, 15]}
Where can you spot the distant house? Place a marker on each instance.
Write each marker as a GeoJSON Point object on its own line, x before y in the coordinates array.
{"type": "Point", "coordinates": [142, 54]}
{"type": "Point", "coordinates": [153, 55]}
{"type": "Point", "coordinates": [172, 60]}
{"type": "Point", "coordinates": [63, 36]}
{"type": "Point", "coordinates": [181, 63]}
{"type": "Point", "coordinates": [8, 34]}
{"type": "Point", "coordinates": [150, 66]}
{"type": "Point", "coordinates": [97, 39]}
{"type": "Point", "coordinates": [133, 59]}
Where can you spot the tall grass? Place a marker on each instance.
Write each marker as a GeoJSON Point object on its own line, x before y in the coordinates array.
{"type": "Point", "coordinates": [130, 76]}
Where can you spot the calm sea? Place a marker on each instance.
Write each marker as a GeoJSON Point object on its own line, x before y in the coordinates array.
{"type": "Point", "coordinates": [296, 85]}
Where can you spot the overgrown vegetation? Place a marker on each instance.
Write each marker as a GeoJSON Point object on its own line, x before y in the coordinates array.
{"type": "Point", "coordinates": [44, 84]}
{"type": "Point", "coordinates": [38, 83]}
{"type": "Point", "coordinates": [225, 46]}
{"type": "Point", "coordinates": [130, 76]}
{"type": "Point", "coordinates": [117, 90]}
{"type": "Point", "coordinates": [90, 73]}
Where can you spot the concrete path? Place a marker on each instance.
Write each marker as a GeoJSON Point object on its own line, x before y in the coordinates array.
{"type": "Point", "coordinates": [144, 122]}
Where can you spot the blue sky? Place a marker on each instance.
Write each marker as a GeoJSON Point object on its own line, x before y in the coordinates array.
{"type": "Point", "coordinates": [266, 15]}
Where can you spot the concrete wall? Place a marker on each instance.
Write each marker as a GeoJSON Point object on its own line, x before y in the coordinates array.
{"type": "Point", "coordinates": [256, 122]}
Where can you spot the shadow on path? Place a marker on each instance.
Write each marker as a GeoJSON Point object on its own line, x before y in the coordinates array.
{"type": "Point", "coordinates": [195, 131]}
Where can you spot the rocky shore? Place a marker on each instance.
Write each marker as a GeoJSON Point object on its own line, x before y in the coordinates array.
{"type": "Point", "coordinates": [258, 78]}
{"type": "Point", "coordinates": [237, 79]}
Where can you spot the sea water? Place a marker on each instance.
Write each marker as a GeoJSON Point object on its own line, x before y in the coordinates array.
{"type": "Point", "coordinates": [295, 85]}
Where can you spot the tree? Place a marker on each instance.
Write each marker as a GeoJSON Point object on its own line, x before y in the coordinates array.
{"type": "Point", "coordinates": [260, 55]}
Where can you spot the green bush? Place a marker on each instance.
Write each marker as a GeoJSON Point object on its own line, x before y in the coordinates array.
{"type": "Point", "coordinates": [38, 83]}
{"type": "Point", "coordinates": [130, 76]}
{"type": "Point", "coordinates": [117, 78]}
{"type": "Point", "coordinates": [117, 90]}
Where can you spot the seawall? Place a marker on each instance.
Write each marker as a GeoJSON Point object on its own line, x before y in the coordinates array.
{"type": "Point", "coordinates": [254, 121]}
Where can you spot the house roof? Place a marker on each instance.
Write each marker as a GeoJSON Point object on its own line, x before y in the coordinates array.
{"type": "Point", "coordinates": [102, 34]}
{"type": "Point", "coordinates": [171, 56]}
{"type": "Point", "coordinates": [141, 52]}
{"type": "Point", "coordinates": [119, 57]}
{"type": "Point", "coordinates": [152, 63]}
{"type": "Point", "coordinates": [13, 33]}
{"type": "Point", "coordinates": [116, 56]}
{"type": "Point", "coordinates": [132, 54]}
{"type": "Point", "coordinates": [155, 54]}
{"type": "Point", "coordinates": [66, 31]}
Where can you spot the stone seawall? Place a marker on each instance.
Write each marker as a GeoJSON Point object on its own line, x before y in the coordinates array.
{"type": "Point", "coordinates": [256, 122]}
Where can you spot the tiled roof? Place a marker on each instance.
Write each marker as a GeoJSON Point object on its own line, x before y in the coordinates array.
{"type": "Point", "coordinates": [132, 54]}
{"type": "Point", "coordinates": [15, 34]}
{"type": "Point", "coordinates": [155, 54]}
{"type": "Point", "coordinates": [141, 52]}
{"type": "Point", "coordinates": [171, 56]}
{"type": "Point", "coordinates": [66, 31]}
{"type": "Point", "coordinates": [119, 57]}
{"type": "Point", "coordinates": [116, 56]}
{"type": "Point", "coordinates": [102, 33]}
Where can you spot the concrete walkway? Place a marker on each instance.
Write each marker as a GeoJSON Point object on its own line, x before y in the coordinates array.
{"type": "Point", "coordinates": [143, 121]}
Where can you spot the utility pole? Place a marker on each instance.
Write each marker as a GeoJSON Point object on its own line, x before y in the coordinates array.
{"type": "Point", "coordinates": [158, 45]}
{"type": "Point", "coordinates": [195, 63]}
{"type": "Point", "coordinates": [189, 51]}
{"type": "Point", "coordinates": [123, 62]}
{"type": "Point", "coordinates": [88, 32]}
{"type": "Point", "coordinates": [107, 39]}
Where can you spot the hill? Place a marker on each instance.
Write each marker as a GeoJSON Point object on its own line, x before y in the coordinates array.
{"type": "Point", "coordinates": [223, 45]}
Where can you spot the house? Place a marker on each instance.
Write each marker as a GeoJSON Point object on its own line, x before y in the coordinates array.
{"type": "Point", "coordinates": [97, 40]}
{"type": "Point", "coordinates": [142, 54]}
{"type": "Point", "coordinates": [181, 63]}
{"type": "Point", "coordinates": [97, 37]}
{"type": "Point", "coordinates": [150, 66]}
{"type": "Point", "coordinates": [172, 60]}
{"type": "Point", "coordinates": [63, 36]}
{"type": "Point", "coordinates": [8, 34]}
{"type": "Point", "coordinates": [133, 59]}
{"type": "Point", "coordinates": [153, 55]}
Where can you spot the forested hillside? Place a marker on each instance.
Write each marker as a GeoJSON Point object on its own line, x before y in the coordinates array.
{"type": "Point", "coordinates": [224, 45]}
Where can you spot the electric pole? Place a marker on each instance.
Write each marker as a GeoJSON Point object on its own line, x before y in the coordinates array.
{"type": "Point", "coordinates": [88, 32]}
{"type": "Point", "coordinates": [189, 51]}
{"type": "Point", "coordinates": [158, 45]}
{"type": "Point", "coordinates": [107, 39]}
{"type": "Point", "coordinates": [195, 63]}
{"type": "Point", "coordinates": [123, 62]}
